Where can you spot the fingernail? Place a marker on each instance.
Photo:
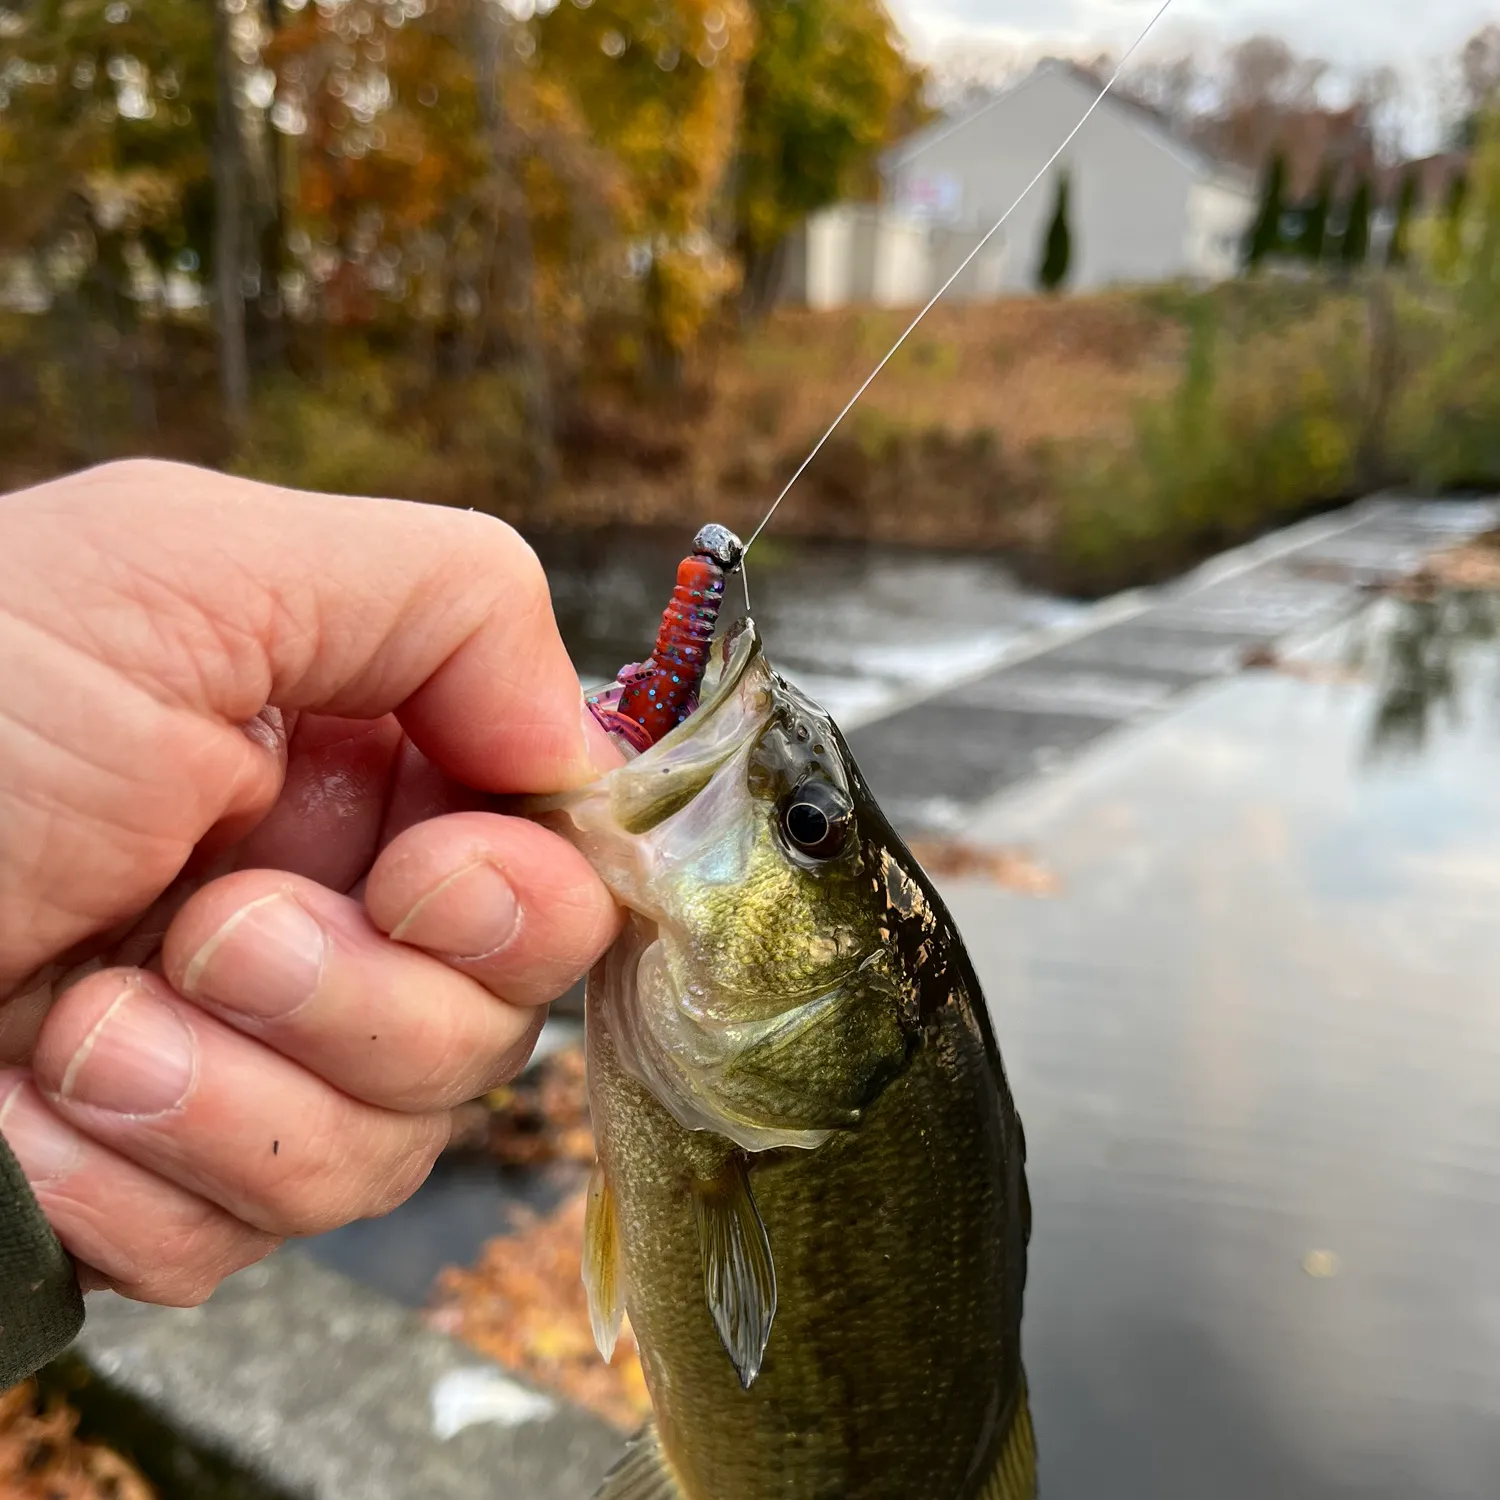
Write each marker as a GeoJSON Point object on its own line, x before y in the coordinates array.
{"type": "Point", "coordinates": [471, 914]}
{"type": "Point", "coordinates": [137, 1060]}
{"type": "Point", "coordinates": [603, 754]}
{"type": "Point", "coordinates": [265, 961]}
{"type": "Point", "coordinates": [45, 1147]}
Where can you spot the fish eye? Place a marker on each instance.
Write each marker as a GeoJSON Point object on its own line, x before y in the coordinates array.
{"type": "Point", "coordinates": [815, 819]}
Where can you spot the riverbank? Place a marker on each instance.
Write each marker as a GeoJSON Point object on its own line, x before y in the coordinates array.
{"type": "Point", "coordinates": [1093, 443]}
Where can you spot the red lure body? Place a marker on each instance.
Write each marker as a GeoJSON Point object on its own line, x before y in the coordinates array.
{"type": "Point", "coordinates": [652, 698]}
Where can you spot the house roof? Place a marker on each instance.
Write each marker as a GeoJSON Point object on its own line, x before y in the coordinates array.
{"type": "Point", "coordinates": [1150, 122]}
{"type": "Point", "coordinates": [1434, 176]}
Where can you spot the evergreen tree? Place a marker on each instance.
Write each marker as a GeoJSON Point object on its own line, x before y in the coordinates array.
{"type": "Point", "coordinates": [1057, 249]}
{"type": "Point", "coordinates": [1354, 249]}
{"type": "Point", "coordinates": [1398, 252]}
{"type": "Point", "coordinates": [1265, 234]}
{"type": "Point", "coordinates": [1453, 227]}
{"type": "Point", "coordinates": [1313, 241]}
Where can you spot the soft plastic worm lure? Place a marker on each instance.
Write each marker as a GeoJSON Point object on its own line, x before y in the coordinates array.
{"type": "Point", "coordinates": [649, 699]}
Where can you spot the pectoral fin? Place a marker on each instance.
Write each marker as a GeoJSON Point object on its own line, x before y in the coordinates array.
{"type": "Point", "coordinates": [642, 1474]}
{"type": "Point", "coordinates": [602, 1267]}
{"type": "Point", "coordinates": [1015, 1475]}
{"type": "Point", "coordinates": [739, 1277]}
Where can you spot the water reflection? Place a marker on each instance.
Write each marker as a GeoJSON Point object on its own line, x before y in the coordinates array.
{"type": "Point", "coordinates": [1254, 1033]}
{"type": "Point", "coordinates": [856, 626]}
{"type": "Point", "coordinates": [1422, 652]}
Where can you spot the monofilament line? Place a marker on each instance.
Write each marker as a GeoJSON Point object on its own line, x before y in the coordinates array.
{"type": "Point", "coordinates": [962, 267]}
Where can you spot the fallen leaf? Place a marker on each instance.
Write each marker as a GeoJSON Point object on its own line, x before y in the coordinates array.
{"type": "Point", "coordinates": [1472, 565]}
{"type": "Point", "coordinates": [524, 1305]}
{"type": "Point", "coordinates": [1014, 869]}
{"type": "Point", "coordinates": [43, 1458]}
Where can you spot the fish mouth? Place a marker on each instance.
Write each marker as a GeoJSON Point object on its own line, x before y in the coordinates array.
{"type": "Point", "coordinates": [736, 703]}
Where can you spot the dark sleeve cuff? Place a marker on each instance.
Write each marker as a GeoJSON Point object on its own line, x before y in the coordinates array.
{"type": "Point", "coordinates": [41, 1306]}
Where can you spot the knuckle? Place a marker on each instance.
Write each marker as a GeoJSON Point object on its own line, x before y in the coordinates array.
{"type": "Point", "coordinates": [499, 550]}
{"type": "Point", "coordinates": [192, 1259]}
{"type": "Point", "coordinates": [351, 1178]}
{"type": "Point", "coordinates": [133, 470]}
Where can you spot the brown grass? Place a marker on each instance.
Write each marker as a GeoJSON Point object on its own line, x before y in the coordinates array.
{"type": "Point", "coordinates": [948, 446]}
{"type": "Point", "coordinates": [1027, 369]}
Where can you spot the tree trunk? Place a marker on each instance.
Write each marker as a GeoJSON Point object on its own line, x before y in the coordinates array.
{"type": "Point", "coordinates": [229, 231]}
{"type": "Point", "coordinates": [269, 314]}
{"type": "Point", "coordinates": [511, 277]}
{"type": "Point", "coordinates": [764, 271]}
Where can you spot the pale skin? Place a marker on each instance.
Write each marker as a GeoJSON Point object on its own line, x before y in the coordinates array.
{"type": "Point", "coordinates": [258, 932]}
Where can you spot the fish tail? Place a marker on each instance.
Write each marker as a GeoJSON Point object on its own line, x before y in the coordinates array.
{"type": "Point", "coordinates": [642, 1474]}
{"type": "Point", "coordinates": [1014, 1477]}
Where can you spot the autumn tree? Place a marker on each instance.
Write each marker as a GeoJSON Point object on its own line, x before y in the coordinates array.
{"type": "Point", "coordinates": [1177, 86]}
{"type": "Point", "coordinates": [230, 241]}
{"type": "Point", "coordinates": [827, 86]}
{"type": "Point", "coordinates": [107, 113]}
{"type": "Point", "coordinates": [1263, 83]}
{"type": "Point", "coordinates": [659, 86]}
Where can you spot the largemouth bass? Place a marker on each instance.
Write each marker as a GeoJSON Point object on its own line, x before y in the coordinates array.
{"type": "Point", "coordinates": [810, 1193]}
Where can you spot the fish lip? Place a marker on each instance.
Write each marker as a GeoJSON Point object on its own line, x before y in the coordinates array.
{"type": "Point", "coordinates": [729, 658]}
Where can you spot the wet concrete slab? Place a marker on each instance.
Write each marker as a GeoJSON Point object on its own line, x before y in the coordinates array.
{"type": "Point", "coordinates": [930, 761]}
{"type": "Point", "coordinates": [322, 1390]}
{"type": "Point", "coordinates": [1255, 1043]}
{"type": "Point", "coordinates": [953, 753]}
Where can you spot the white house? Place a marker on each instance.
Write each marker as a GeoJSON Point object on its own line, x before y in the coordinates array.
{"type": "Point", "coordinates": [1145, 206]}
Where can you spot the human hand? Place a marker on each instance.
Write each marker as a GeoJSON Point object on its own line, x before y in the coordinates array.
{"type": "Point", "coordinates": [257, 936]}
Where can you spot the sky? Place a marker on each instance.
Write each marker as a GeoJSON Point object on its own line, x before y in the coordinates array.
{"type": "Point", "coordinates": [1347, 32]}
{"type": "Point", "coordinates": [1417, 37]}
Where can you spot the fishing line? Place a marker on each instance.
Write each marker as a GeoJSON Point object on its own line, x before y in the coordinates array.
{"type": "Point", "coordinates": [963, 266]}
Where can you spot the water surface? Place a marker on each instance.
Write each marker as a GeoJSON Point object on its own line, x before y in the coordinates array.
{"type": "Point", "coordinates": [1256, 1045]}
{"type": "Point", "coordinates": [856, 626]}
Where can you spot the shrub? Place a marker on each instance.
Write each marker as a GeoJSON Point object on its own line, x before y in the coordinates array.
{"type": "Point", "coordinates": [1263, 425]}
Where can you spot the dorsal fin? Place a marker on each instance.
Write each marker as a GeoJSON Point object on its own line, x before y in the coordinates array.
{"type": "Point", "coordinates": [642, 1474]}
{"type": "Point", "coordinates": [1015, 1474]}
{"type": "Point", "coordinates": [603, 1271]}
{"type": "Point", "coordinates": [739, 1277]}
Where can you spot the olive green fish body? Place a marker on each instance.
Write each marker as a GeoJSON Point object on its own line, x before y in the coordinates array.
{"type": "Point", "coordinates": [810, 1195]}
{"type": "Point", "coordinates": [893, 1367]}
